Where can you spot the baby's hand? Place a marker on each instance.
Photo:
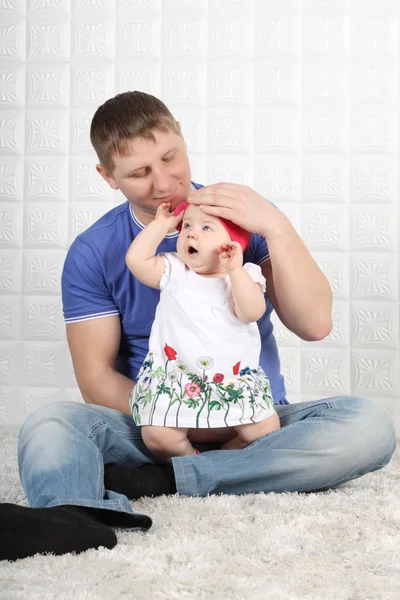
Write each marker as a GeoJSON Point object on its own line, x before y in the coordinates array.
{"type": "Point", "coordinates": [163, 215]}
{"type": "Point", "coordinates": [231, 256]}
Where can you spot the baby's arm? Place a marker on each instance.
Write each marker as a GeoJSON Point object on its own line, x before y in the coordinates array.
{"type": "Point", "coordinates": [140, 258]}
{"type": "Point", "coordinates": [248, 298]}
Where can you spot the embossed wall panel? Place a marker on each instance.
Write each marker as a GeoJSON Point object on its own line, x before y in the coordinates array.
{"type": "Point", "coordinates": [298, 99]}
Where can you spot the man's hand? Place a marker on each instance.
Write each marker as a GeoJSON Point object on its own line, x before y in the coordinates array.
{"type": "Point", "coordinates": [231, 256]}
{"type": "Point", "coordinates": [241, 205]}
{"type": "Point", "coordinates": [167, 218]}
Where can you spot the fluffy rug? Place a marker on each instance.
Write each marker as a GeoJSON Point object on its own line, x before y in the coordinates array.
{"type": "Point", "coordinates": [342, 544]}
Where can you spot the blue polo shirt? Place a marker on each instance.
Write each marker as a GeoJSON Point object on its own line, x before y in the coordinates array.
{"type": "Point", "coordinates": [96, 283]}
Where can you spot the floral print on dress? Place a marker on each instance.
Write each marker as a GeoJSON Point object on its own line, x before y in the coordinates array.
{"type": "Point", "coordinates": [201, 393]}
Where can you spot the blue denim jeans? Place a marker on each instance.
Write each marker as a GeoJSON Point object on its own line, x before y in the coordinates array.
{"type": "Point", "coordinates": [64, 446]}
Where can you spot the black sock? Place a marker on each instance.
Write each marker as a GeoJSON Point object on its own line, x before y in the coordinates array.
{"type": "Point", "coordinates": [60, 529]}
{"type": "Point", "coordinates": [118, 519]}
{"type": "Point", "coordinates": [148, 480]}
{"type": "Point", "coordinates": [27, 531]}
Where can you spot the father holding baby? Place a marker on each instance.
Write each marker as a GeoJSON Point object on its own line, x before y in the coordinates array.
{"type": "Point", "coordinates": [80, 463]}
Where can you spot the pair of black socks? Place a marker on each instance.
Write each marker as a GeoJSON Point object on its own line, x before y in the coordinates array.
{"type": "Point", "coordinates": [57, 530]}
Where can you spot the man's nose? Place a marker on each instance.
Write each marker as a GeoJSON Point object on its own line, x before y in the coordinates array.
{"type": "Point", "coordinates": [161, 180]}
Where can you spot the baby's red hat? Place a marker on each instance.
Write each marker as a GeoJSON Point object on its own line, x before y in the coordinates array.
{"type": "Point", "coordinates": [236, 233]}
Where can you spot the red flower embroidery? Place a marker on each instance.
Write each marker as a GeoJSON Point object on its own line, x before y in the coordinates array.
{"type": "Point", "coordinates": [218, 378]}
{"type": "Point", "coordinates": [236, 368]}
{"type": "Point", "coordinates": [170, 352]}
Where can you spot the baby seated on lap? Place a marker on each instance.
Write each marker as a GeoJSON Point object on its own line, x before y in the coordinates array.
{"type": "Point", "coordinates": [201, 380]}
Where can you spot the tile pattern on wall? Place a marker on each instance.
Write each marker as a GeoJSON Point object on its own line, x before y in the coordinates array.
{"type": "Point", "coordinates": [295, 98]}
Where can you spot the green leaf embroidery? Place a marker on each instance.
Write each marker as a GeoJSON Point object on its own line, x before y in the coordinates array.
{"type": "Point", "coordinates": [158, 373]}
{"type": "Point", "coordinates": [215, 404]}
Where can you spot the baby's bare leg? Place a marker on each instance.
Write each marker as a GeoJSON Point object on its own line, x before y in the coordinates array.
{"type": "Point", "coordinates": [166, 442]}
{"type": "Point", "coordinates": [250, 432]}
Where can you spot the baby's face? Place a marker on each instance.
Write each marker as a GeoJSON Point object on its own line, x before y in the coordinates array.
{"type": "Point", "coordinates": [200, 238]}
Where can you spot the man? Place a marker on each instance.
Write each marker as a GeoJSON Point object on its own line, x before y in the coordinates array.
{"type": "Point", "coordinates": [63, 447]}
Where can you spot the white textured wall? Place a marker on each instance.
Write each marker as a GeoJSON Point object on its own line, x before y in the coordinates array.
{"type": "Point", "coordinates": [296, 98]}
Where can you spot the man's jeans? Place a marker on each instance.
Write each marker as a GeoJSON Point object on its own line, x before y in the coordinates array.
{"type": "Point", "coordinates": [64, 446]}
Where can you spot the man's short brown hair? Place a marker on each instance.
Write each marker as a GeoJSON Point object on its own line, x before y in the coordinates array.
{"type": "Point", "coordinates": [124, 117]}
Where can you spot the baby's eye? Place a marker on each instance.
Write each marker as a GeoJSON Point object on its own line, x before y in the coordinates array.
{"type": "Point", "coordinates": [206, 227]}
{"type": "Point", "coordinates": [186, 225]}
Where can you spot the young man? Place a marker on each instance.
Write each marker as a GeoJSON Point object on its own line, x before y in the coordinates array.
{"type": "Point", "coordinates": [63, 447]}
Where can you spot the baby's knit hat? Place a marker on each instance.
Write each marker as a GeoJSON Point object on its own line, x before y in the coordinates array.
{"type": "Point", "coordinates": [236, 233]}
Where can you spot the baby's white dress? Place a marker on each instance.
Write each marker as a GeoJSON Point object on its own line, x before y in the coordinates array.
{"type": "Point", "coordinates": [202, 368]}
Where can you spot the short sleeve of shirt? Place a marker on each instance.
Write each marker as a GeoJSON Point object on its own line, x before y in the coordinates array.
{"type": "Point", "coordinates": [255, 273]}
{"type": "Point", "coordinates": [174, 269]}
{"type": "Point", "coordinates": [259, 249]}
{"type": "Point", "coordinates": [85, 294]}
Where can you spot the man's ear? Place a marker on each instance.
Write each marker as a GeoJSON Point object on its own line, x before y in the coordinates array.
{"type": "Point", "coordinates": [106, 175]}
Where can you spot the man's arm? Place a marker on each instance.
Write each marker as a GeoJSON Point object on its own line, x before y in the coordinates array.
{"type": "Point", "coordinates": [296, 287]}
{"type": "Point", "coordinates": [94, 346]}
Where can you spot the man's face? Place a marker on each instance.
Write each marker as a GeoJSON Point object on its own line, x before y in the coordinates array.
{"type": "Point", "coordinates": [151, 173]}
{"type": "Point", "coordinates": [199, 240]}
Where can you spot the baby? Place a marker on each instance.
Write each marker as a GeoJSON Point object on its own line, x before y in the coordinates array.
{"type": "Point", "coordinates": [201, 379]}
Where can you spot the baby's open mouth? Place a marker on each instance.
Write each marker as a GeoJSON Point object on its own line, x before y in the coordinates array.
{"type": "Point", "coordinates": [192, 250]}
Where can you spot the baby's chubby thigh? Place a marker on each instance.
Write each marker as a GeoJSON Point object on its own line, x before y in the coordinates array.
{"type": "Point", "coordinates": [165, 441]}
{"type": "Point", "coordinates": [249, 432]}
{"type": "Point", "coordinates": [252, 431]}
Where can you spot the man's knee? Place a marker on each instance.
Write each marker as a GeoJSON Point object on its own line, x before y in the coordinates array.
{"type": "Point", "coordinates": [377, 422]}
{"type": "Point", "coordinates": [49, 428]}
{"type": "Point", "coordinates": [47, 415]}
{"type": "Point", "coordinates": [370, 434]}
{"type": "Point", "coordinates": [43, 437]}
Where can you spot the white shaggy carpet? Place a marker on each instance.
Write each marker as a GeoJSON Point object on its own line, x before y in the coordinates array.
{"type": "Point", "coordinates": [337, 545]}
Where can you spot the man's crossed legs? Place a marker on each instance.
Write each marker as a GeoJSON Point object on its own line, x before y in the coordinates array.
{"type": "Point", "coordinates": [63, 448]}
